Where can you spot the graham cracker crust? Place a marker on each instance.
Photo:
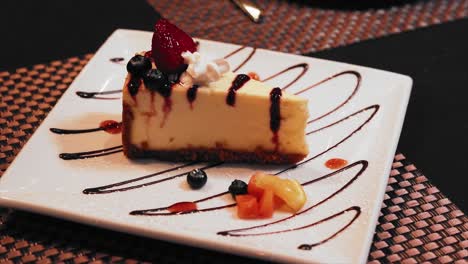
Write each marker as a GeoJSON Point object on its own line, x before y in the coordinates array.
{"type": "Point", "coordinates": [200, 154]}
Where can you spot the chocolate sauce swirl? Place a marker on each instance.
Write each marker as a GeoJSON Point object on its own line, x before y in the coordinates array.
{"type": "Point", "coordinates": [94, 95]}
{"type": "Point", "coordinates": [304, 66]}
{"type": "Point", "coordinates": [61, 131]}
{"type": "Point", "coordinates": [356, 88]}
{"type": "Point", "coordinates": [110, 188]}
{"type": "Point", "coordinates": [91, 154]}
{"type": "Point", "coordinates": [237, 83]}
{"type": "Point", "coordinates": [252, 52]}
{"type": "Point", "coordinates": [374, 108]}
{"type": "Point", "coordinates": [357, 213]}
{"type": "Point", "coordinates": [355, 209]}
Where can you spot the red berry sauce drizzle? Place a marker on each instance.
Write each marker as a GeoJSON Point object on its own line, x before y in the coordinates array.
{"type": "Point", "coordinates": [111, 126]}
{"type": "Point", "coordinates": [167, 107]}
{"type": "Point", "coordinates": [133, 85]}
{"type": "Point", "coordinates": [254, 76]}
{"type": "Point", "coordinates": [275, 114]}
{"type": "Point", "coordinates": [190, 207]}
{"type": "Point", "coordinates": [177, 208]}
{"type": "Point", "coordinates": [336, 163]}
{"type": "Point", "coordinates": [237, 83]}
{"type": "Point", "coordinates": [152, 105]}
{"type": "Point", "coordinates": [183, 207]}
{"type": "Point", "coordinates": [192, 95]}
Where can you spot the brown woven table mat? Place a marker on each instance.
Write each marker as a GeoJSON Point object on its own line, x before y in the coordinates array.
{"type": "Point", "coordinates": [304, 26]}
{"type": "Point", "coordinates": [417, 223]}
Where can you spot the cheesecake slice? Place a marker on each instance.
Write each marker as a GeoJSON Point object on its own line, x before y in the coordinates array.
{"type": "Point", "coordinates": [177, 109]}
{"type": "Point", "coordinates": [255, 123]}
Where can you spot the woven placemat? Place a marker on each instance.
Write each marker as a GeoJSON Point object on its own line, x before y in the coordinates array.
{"type": "Point", "coordinates": [304, 26]}
{"type": "Point", "coordinates": [417, 223]}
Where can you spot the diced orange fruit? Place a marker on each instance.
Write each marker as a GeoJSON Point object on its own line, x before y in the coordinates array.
{"type": "Point", "coordinates": [280, 205]}
{"type": "Point", "coordinates": [252, 187]}
{"type": "Point", "coordinates": [247, 206]}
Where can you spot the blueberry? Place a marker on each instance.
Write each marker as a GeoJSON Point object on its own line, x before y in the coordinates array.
{"type": "Point", "coordinates": [138, 65]}
{"type": "Point", "coordinates": [154, 79]}
{"type": "Point", "coordinates": [237, 187]}
{"type": "Point", "coordinates": [165, 90]}
{"type": "Point", "coordinates": [133, 86]}
{"type": "Point", "coordinates": [196, 178]}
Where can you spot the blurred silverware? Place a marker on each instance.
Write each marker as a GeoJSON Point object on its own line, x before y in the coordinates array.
{"type": "Point", "coordinates": [250, 9]}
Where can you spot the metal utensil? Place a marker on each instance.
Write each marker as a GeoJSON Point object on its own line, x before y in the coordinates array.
{"type": "Point", "coordinates": [250, 9]}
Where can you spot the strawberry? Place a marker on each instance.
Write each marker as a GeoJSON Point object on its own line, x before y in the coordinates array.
{"type": "Point", "coordinates": [168, 44]}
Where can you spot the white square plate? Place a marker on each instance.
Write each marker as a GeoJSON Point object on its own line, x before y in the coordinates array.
{"type": "Point", "coordinates": [360, 113]}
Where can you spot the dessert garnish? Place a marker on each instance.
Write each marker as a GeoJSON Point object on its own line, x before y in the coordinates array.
{"type": "Point", "coordinates": [168, 43]}
{"type": "Point", "coordinates": [237, 187]}
{"type": "Point", "coordinates": [197, 178]}
{"type": "Point", "coordinates": [138, 65]}
{"type": "Point", "coordinates": [202, 71]}
{"type": "Point", "coordinates": [265, 193]}
{"type": "Point", "coordinates": [154, 79]}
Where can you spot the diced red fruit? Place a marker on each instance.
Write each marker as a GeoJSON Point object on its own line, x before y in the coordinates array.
{"type": "Point", "coordinates": [247, 206]}
{"type": "Point", "coordinates": [267, 204]}
{"type": "Point", "coordinates": [168, 43]}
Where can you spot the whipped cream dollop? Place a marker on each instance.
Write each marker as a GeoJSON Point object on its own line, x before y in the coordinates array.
{"type": "Point", "coordinates": [203, 71]}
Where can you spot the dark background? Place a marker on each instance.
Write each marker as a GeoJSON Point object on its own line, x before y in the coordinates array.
{"type": "Point", "coordinates": [436, 126]}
